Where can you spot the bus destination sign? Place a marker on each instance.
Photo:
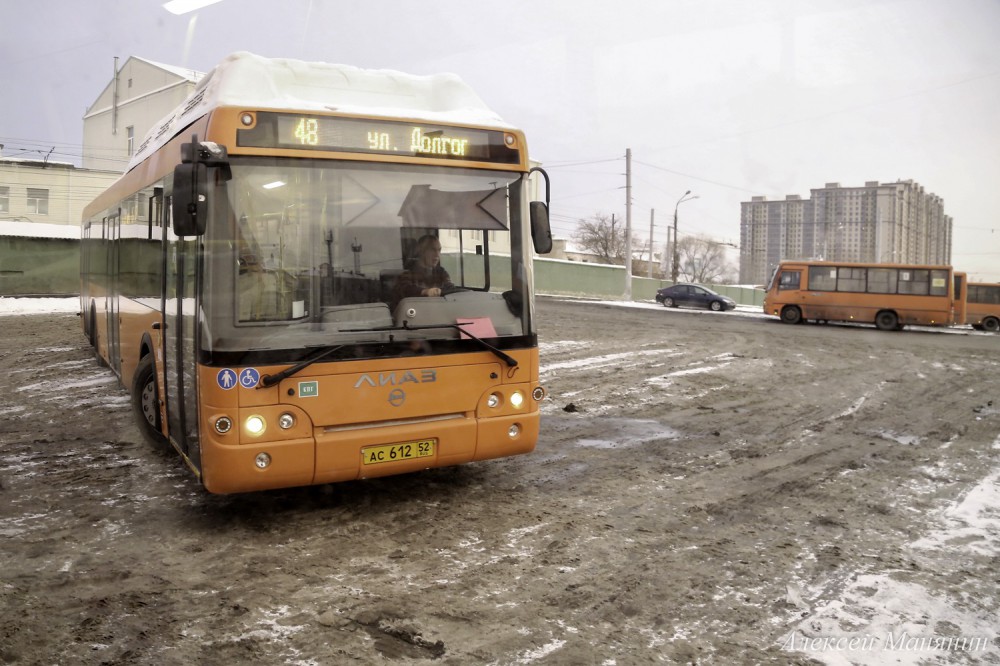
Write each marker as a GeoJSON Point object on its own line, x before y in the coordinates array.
{"type": "Point", "coordinates": [382, 137]}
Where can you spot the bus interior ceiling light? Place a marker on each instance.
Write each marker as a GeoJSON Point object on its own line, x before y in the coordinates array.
{"type": "Point", "coordinates": [272, 185]}
{"type": "Point", "coordinates": [184, 6]}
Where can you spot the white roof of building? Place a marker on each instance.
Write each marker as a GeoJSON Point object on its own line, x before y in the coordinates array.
{"type": "Point", "coordinates": [251, 81]}
{"type": "Point", "coordinates": [183, 72]}
{"type": "Point", "coordinates": [30, 229]}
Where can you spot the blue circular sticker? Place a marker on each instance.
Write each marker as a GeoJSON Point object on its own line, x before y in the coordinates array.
{"type": "Point", "coordinates": [249, 378]}
{"type": "Point", "coordinates": [226, 379]}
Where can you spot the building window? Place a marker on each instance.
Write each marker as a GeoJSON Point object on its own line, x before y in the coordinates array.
{"type": "Point", "coordinates": [130, 138]}
{"type": "Point", "coordinates": [38, 201]}
{"type": "Point", "coordinates": [4, 199]}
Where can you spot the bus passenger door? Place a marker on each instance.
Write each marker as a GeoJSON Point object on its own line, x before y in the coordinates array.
{"type": "Point", "coordinates": [959, 312]}
{"type": "Point", "coordinates": [114, 288]}
{"type": "Point", "coordinates": [180, 305]}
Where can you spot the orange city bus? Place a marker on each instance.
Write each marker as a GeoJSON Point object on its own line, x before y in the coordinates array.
{"type": "Point", "coordinates": [887, 295]}
{"type": "Point", "coordinates": [983, 307]}
{"type": "Point", "coordinates": [240, 278]}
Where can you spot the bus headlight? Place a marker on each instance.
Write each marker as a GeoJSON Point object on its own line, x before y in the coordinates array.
{"type": "Point", "coordinates": [286, 421]}
{"type": "Point", "coordinates": [514, 430]}
{"type": "Point", "coordinates": [516, 399]}
{"type": "Point", "coordinates": [255, 425]}
{"type": "Point", "coordinates": [223, 424]}
{"type": "Point", "coordinates": [493, 401]}
{"type": "Point", "coordinates": [538, 393]}
{"type": "Point", "coordinates": [263, 460]}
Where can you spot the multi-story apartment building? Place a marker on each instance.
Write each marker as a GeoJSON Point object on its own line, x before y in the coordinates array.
{"type": "Point", "coordinates": [878, 222]}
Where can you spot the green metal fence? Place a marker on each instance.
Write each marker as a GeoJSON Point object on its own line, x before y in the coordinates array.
{"type": "Point", "coordinates": [51, 266]}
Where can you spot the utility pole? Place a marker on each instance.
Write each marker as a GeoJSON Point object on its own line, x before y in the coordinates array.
{"type": "Point", "coordinates": [114, 100]}
{"type": "Point", "coordinates": [650, 274]}
{"type": "Point", "coordinates": [628, 224]}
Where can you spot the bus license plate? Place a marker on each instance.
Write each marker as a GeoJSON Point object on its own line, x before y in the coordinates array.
{"type": "Point", "coordinates": [373, 455]}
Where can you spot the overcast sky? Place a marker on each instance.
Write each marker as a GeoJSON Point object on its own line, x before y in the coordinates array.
{"type": "Point", "coordinates": [726, 98]}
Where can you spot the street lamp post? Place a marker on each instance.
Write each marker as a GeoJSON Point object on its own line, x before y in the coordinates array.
{"type": "Point", "coordinates": [675, 267]}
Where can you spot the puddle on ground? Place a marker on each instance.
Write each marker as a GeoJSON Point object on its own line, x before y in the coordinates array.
{"type": "Point", "coordinates": [624, 433]}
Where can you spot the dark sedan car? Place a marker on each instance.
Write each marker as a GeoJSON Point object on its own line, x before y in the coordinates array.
{"type": "Point", "coordinates": [694, 296]}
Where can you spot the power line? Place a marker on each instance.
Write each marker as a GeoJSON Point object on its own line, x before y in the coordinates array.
{"type": "Point", "coordinates": [561, 165]}
{"type": "Point", "coordinates": [698, 178]}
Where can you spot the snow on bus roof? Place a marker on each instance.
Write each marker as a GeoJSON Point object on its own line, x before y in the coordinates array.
{"type": "Point", "coordinates": [252, 81]}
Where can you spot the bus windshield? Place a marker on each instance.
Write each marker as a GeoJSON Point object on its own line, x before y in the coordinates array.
{"type": "Point", "coordinates": [304, 253]}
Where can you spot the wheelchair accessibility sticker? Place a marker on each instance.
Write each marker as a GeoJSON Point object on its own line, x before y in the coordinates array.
{"type": "Point", "coordinates": [249, 378]}
{"type": "Point", "coordinates": [226, 379]}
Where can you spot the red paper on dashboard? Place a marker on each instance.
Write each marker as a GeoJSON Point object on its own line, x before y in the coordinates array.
{"type": "Point", "coordinates": [481, 327]}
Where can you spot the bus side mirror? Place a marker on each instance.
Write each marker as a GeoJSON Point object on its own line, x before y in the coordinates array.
{"type": "Point", "coordinates": [200, 163]}
{"type": "Point", "coordinates": [541, 234]}
{"type": "Point", "coordinates": [189, 203]}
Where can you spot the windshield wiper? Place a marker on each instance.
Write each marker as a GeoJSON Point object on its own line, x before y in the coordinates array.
{"type": "Point", "coordinates": [267, 381]}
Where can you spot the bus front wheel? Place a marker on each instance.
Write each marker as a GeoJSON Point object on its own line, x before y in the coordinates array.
{"type": "Point", "coordinates": [146, 402]}
{"type": "Point", "coordinates": [790, 314]}
{"type": "Point", "coordinates": [991, 324]}
{"type": "Point", "coordinates": [887, 321]}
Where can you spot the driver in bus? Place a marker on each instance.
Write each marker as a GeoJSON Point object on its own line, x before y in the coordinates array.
{"type": "Point", "coordinates": [424, 275]}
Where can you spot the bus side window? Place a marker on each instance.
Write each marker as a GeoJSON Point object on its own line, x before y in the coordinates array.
{"type": "Point", "coordinates": [789, 280]}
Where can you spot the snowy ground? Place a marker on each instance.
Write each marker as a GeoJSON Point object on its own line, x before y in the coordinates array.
{"type": "Point", "coordinates": [709, 488]}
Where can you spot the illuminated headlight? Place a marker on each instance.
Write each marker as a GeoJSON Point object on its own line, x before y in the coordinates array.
{"type": "Point", "coordinates": [514, 430]}
{"type": "Point", "coordinates": [538, 393]}
{"type": "Point", "coordinates": [286, 421]}
{"type": "Point", "coordinates": [246, 119]}
{"type": "Point", "coordinates": [493, 401]}
{"type": "Point", "coordinates": [223, 424]}
{"type": "Point", "coordinates": [255, 425]}
{"type": "Point", "coordinates": [516, 399]}
{"type": "Point", "coordinates": [262, 460]}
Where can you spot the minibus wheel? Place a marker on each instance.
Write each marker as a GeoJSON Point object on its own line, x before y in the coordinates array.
{"type": "Point", "coordinates": [886, 320]}
{"type": "Point", "coordinates": [790, 314]}
{"type": "Point", "coordinates": [991, 324]}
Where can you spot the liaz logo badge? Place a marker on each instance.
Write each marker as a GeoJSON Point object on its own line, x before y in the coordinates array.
{"type": "Point", "coordinates": [396, 378]}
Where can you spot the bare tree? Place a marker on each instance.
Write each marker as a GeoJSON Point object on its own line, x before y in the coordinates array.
{"type": "Point", "coordinates": [603, 236]}
{"type": "Point", "coordinates": [703, 260]}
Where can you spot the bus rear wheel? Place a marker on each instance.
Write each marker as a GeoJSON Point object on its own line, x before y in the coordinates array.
{"type": "Point", "coordinates": [887, 321]}
{"type": "Point", "coordinates": [146, 402]}
{"type": "Point", "coordinates": [991, 324]}
{"type": "Point", "coordinates": [791, 314]}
